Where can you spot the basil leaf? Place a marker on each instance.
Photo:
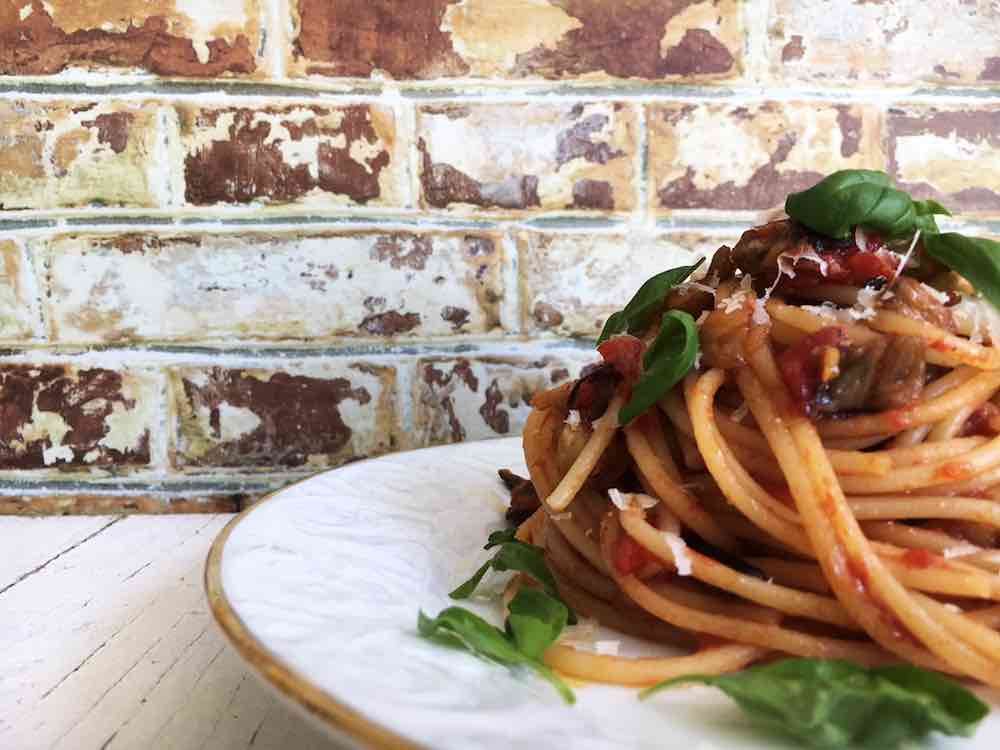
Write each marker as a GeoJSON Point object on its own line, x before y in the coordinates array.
{"type": "Point", "coordinates": [667, 361]}
{"type": "Point", "coordinates": [975, 258]}
{"type": "Point", "coordinates": [535, 620]}
{"type": "Point", "coordinates": [836, 704]}
{"type": "Point", "coordinates": [512, 555]}
{"type": "Point", "coordinates": [636, 314]}
{"type": "Point", "coordinates": [850, 197]}
{"type": "Point", "coordinates": [538, 621]}
{"type": "Point", "coordinates": [925, 221]}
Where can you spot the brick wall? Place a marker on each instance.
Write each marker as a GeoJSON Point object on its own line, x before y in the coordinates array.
{"type": "Point", "coordinates": [243, 240]}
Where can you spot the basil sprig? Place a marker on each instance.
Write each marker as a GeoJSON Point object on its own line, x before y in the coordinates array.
{"type": "Point", "coordinates": [669, 359]}
{"type": "Point", "coordinates": [831, 704]}
{"type": "Point", "coordinates": [513, 555]}
{"type": "Point", "coordinates": [534, 624]}
{"type": "Point", "coordinates": [861, 197]}
{"type": "Point", "coordinates": [853, 197]}
{"type": "Point", "coordinates": [647, 301]}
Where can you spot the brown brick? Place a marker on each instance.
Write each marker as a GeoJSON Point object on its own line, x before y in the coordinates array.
{"type": "Point", "coordinates": [891, 41]}
{"type": "Point", "coordinates": [55, 155]}
{"type": "Point", "coordinates": [950, 154]}
{"type": "Point", "coordinates": [283, 286]}
{"type": "Point", "coordinates": [90, 504]}
{"type": "Point", "coordinates": [62, 417]}
{"type": "Point", "coordinates": [571, 282]}
{"type": "Point", "coordinates": [166, 37]}
{"type": "Point", "coordinates": [19, 315]}
{"type": "Point", "coordinates": [749, 157]}
{"type": "Point", "coordinates": [522, 157]}
{"type": "Point", "coordinates": [314, 155]}
{"type": "Point", "coordinates": [300, 416]}
{"type": "Point", "coordinates": [473, 399]}
{"type": "Point", "coordinates": [594, 40]}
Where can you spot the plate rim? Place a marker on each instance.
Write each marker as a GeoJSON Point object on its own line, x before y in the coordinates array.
{"type": "Point", "coordinates": [289, 682]}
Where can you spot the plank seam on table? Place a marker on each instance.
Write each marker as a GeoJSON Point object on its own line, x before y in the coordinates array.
{"type": "Point", "coordinates": [166, 722]}
{"type": "Point", "coordinates": [52, 559]}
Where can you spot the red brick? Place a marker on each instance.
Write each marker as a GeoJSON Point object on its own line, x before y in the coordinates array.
{"type": "Point", "coordinates": [950, 154]}
{"type": "Point", "coordinates": [67, 154]}
{"type": "Point", "coordinates": [300, 416]}
{"type": "Point", "coordinates": [486, 397]}
{"type": "Point", "coordinates": [66, 417]}
{"type": "Point", "coordinates": [885, 41]}
{"type": "Point", "coordinates": [528, 157]}
{"type": "Point", "coordinates": [319, 286]}
{"type": "Point", "coordinates": [166, 37]}
{"type": "Point", "coordinates": [591, 40]}
{"type": "Point", "coordinates": [307, 154]}
{"type": "Point", "coordinates": [571, 282]}
{"type": "Point", "coordinates": [722, 157]}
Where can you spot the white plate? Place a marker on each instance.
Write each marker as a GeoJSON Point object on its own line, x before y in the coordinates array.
{"type": "Point", "coordinates": [319, 587]}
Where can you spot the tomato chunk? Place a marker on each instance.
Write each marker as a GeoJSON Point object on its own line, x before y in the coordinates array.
{"type": "Point", "coordinates": [801, 364]}
{"type": "Point", "coordinates": [625, 354]}
{"type": "Point", "coordinates": [630, 556]}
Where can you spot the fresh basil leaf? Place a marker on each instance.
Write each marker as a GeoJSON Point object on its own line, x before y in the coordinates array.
{"type": "Point", "coordinates": [535, 620]}
{"type": "Point", "coordinates": [512, 555]}
{"type": "Point", "coordinates": [636, 314]}
{"type": "Point", "coordinates": [460, 628]}
{"type": "Point", "coordinates": [924, 220]}
{"type": "Point", "coordinates": [845, 199]}
{"type": "Point", "coordinates": [537, 623]}
{"type": "Point", "coordinates": [975, 258]}
{"type": "Point", "coordinates": [668, 360]}
{"type": "Point", "coordinates": [836, 704]}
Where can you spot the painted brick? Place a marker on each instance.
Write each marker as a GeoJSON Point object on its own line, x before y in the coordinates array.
{"type": "Point", "coordinates": [65, 417]}
{"type": "Point", "coordinates": [285, 286]}
{"type": "Point", "coordinates": [19, 314]}
{"type": "Point", "coordinates": [520, 157]}
{"type": "Point", "coordinates": [474, 399]}
{"type": "Point", "coordinates": [518, 39]}
{"type": "Point", "coordinates": [56, 154]}
{"type": "Point", "coordinates": [87, 504]}
{"type": "Point", "coordinates": [313, 155]}
{"type": "Point", "coordinates": [165, 37]}
{"type": "Point", "coordinates": [885, 41]}
{"type": "Point", "coordinates": [749, 157]}
{"type": "Point", "coordinates": [571, 282]}
{"type": "Point", "coordinates": [303, 416]}
{"type": "Point", "coordinates": [952, 155]}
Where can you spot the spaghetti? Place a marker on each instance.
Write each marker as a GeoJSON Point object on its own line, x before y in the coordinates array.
{"type": "Point", "coordinates": [824, 482]}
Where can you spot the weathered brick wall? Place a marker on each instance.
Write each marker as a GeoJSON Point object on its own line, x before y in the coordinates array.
{"type": "Point", "coordinates": [243, 240]}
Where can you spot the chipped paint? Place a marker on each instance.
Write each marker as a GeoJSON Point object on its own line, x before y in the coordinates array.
{"type": "Point", "coordinates": [499, 168]}
{"type": "Point", "coordinates": [726, 156]}
{"type": "Point", "coordinates": [55, 155]}
{"type": "Point", "coordinates": [303, 415]}
{"type": "Point", "coordinates": [898, 41]}
{"type": "Point", "coordinates": [463, 399]}
{"type": "Point", "coordinates": [572, 282]}
{"type": "Point", "coordinates": [167, 37]}
{"type": "Point", "coordinates": [295, 154]}
{"type": "Point", "coordinates": [285, 286]}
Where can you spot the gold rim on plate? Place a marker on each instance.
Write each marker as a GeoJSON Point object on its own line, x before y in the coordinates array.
{"type": "Point", "coordinates": [289, 682]}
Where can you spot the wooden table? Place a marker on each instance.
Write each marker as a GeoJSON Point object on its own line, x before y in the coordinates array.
{"type": "Point", "coordinates": [106, 642]}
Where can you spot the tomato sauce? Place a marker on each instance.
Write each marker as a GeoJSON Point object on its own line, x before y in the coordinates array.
{"type": "Point", "coordinates": [630, 556]}
{"type": "Point", "coordinates": [624, 353]}
{"type": "Point", "coordinates": [801, 364]}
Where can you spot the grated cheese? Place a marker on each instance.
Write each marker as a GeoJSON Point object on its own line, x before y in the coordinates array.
{"type": "Point", "coordinates": [627, 500]}
{"type": "Point", "coordinates": [740, 412]}
{"type": "Point", "coordinates": [959, 551]}
{"type": "Point", "coordinates": [703, 317]}
{"type": "Point", "coordinates": [679, 550]}
{"type": "Point", "coordinates": [687, 285]}
{"type": "Point", "coordinates": [573, 418]}
{"type": "Point", "coordinates": [564, 516]}
{"type": "Point", "coordinates": [607, 648]}
{"type": "Point", "coordinates": [787, 261]}
{"type": "Point", "coordinates": [941, 297]}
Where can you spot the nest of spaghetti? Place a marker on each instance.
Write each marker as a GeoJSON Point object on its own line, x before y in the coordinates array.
{"type": "Point", "coordinates": [822, 482]}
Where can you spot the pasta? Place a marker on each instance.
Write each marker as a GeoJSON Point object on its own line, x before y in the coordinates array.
{"type": "Point", "coordinates": [824, 482]}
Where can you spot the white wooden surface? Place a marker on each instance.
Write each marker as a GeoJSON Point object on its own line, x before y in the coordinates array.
{"type": "Point", "coordinates": [106, 642]}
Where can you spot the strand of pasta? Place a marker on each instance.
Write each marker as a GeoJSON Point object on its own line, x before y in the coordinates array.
{"type": "Point", "coordinates": [916, 435]}
{"type": "Point", "coordinates": [944, 348]}
{"type": "Point", "coordinates": [857, 576]}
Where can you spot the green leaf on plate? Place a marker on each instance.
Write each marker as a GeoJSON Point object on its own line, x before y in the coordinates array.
{"type": "Point", "coordinates": [535, 620]}
{"type": "Point", "coordinates": [635, 316]}
{"type": "Point", "coordinates": [975, 258]}
{"type": "Point", "coordinates": [832, 704]}
{"type": "Point", "coordinates": [665, 363]}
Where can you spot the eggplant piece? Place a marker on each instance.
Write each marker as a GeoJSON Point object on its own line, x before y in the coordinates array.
{"type": "Point", "coordinates": [901, 373]}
